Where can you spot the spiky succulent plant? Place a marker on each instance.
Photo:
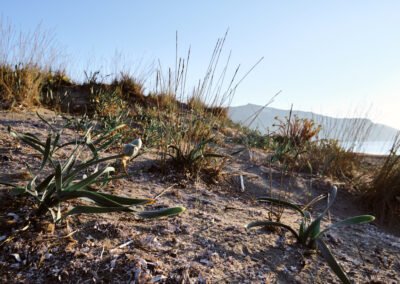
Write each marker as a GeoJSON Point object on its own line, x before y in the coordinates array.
{"type": "Point", "coordinates": [309, 233]}
{"type": "Point", "coordinates": [75, 179]}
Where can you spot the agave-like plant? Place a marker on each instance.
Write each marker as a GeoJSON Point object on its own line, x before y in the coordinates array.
{"type": "Point", "coordinates": [309, 233]}
{"type": "Point", "coordinates": [68, 180]}
{"type": "Point", "coordinates": [193, 159]}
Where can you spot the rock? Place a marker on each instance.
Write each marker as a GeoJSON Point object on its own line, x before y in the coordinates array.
{"type": "Point", "coordinates": [17, 257]}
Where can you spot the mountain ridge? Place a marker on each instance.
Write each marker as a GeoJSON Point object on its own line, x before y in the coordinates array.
{"type": "Point", "coordinates": [341, 128]}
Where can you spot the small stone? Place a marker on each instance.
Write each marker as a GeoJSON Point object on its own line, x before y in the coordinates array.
{"type": "Point", "coordinates": [48, 256]}
{"type": "Point", "coordinates": [158, 278]}
{"type": "Point", "coordinates": [113, 263]}
{"type": "Point", "coordinates": [17, 257]}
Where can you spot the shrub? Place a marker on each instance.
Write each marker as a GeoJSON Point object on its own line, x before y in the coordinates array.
{"type": "Point", "coordinates": [186, 142]}
{"type": "Point", "coordinates": [292, 139]}
{"type": "Point", "coordinates": [327, 157]}
{"type": "Point", "coordinates": [382, 194]}
{"type": "Point", "coordinates": [297, 146]}
{"type": "Point", "coordinates": [295, 132]}
{"type": "Point", "coordinates": [253, 138]}
{"type": "Point", "coordinates": [193, 160]}
{"type": "Point", "coordinates": [309, 233]}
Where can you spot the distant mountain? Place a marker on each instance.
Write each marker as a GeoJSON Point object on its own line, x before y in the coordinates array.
{"type": "Point", "coordinates": [344, 129]}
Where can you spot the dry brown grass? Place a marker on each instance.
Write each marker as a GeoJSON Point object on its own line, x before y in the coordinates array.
{"type": "Point", "coordinates": [300, 150]}
{"type": "Point", "coordinates": [328, 158]}
{"type": "Point", "coordinates": [295, 131]}
{"type": "Point", "coordinates": [20, 86]}
{"type": "Point", "coordinates": [187, 123]}
{"type": "Point", "coordinates": [25, 60]}
{"type": "Point", "coordinates": [382, 194]}
{"type": "Point", "coordinates": [129, 89]}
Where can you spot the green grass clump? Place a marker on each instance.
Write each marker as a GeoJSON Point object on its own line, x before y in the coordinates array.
{"type": "Point", "coordinates": [253, 138]}
{"type": "Point", "coordinates": [185, 140]}
{"type": "Point", "coordinates": [309, 233]}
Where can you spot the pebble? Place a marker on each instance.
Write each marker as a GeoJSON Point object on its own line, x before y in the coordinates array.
{"type": "Point", "coordinates": [17, 257]}
{"type": "Point", "coordinates": [48, 256]}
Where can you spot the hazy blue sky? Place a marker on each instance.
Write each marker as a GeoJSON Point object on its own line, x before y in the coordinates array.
{"type": "Point", "coordinates": [332, 57]}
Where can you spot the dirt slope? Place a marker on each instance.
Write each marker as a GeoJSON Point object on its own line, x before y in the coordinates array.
{"type": "Point", "coordinates": [206, 244]}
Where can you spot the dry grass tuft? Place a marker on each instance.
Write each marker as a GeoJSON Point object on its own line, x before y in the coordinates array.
{"type": "Point", "coordinates": [299, 149]}
{"type": "Point", "coordinates": [20, 85]}
{"type": "Point", "coordinates": [129, 89]}
{"type": "Point", "coordinates": [295, 131]}
{"type": "Point", "coordinates": [328, 158]}
{"type": "Point", "coordinates": [382, 194]}
{"type": "Point", "coordinates": [25, 60]}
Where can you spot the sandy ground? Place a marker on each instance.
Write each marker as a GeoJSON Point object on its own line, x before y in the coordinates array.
{"type": "Point", "coordinates": [206, 244]}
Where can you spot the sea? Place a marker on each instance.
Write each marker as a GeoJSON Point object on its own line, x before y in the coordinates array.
{"type": "Point", "coordinates": [370, 147]}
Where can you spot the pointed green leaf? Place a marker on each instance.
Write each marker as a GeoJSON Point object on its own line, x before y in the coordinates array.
{"type": "Point", "coordinates": [96, 210]}
{"type": "Point", "coordinates": [105, 145]}
{"type": "Point", "coordinates": [349, 221]}
{"type": "Point", "coordinates": [315, 200]}
{"type": "Point", "coordinates": [126, 200]}
{"type": "Point", "coordinates": [281, 202]}
{"type": "Point", "coordinates": [58, 177]}
{"type": "Point", "coordinates": [33, 138]}
{"type": "Point", "coordinates": [92, 149]}
{"type": "Point", "coordinates": [104, 199]}
{"type": "Point", "coordinates": [84, 166]}
{"type": "Point", "coordinates": [55, 142]}
{"type": "Point", "coordinates": [46, 153]}
{"type": "Point", "coordinates": [31, 184]}
{"type": "Point", "coordinates": [67, 167]}
{"type": "Point", "coordinates": [314, 229]}
{"type": "Point", "coordinates": [112, 132]}
{"type": "Point", "coordinates": [90, 179]}
{"type": "Point", "coordinates": [44, 120]}
{"type": "Point", "coordinates": [92, 195]}
{"type": "Point", "coordinates": [45, 183]}
{"type": "Point", "coordinates": [33, 142]}
{"type": "Point", "coordinates": [271, 223]}
{"type": "Point", "coordinates": [16, 190]}
{"type": "Point", "coordinates": [330, 259]}
{"type": "Point", "coordinates": [161, 212]}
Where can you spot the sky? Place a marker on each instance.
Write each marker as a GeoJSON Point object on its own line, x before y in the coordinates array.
{"type": "Point", "coordinates": [340, 58]}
